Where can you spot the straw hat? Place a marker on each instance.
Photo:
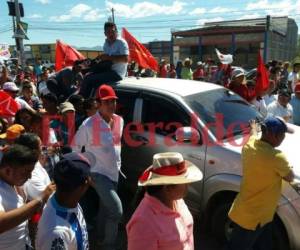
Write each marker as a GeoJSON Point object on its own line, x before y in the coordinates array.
{"type": "Point", "coordinates": [168, 169]}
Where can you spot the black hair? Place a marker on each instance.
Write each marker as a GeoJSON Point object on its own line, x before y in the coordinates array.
{"type": "Point", "coordinates": [153, 190]}
{"type": "Point", "coordinates": [108, 25]}
{"type": "Point", "coordinates": [51, 98]}
{"type": "Point", "coordinates": [4, 125]}
{"type": "Point", "coordinates": [27, 86]}
{"type": "Point", "coordinates": [17, 156]}
{"type": "Point", "coordinates": [19, 113]}
{"type": "Point", "coordinates": [29, 140]}
{"type": "Point", "coordinates": [88, 103]}
{"type": "Point", "coordinates": [76, 99]}
{"type": "Point", "coordinates": [140, 193]}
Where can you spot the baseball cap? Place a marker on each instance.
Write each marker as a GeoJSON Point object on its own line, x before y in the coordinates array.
{"type": "Point", "coordinates": [13, 132]}
{"type": "Point", "coordinates": [106, 92]}
{"type": "Point", "coordinates": [237, 72]}
{"type": "Point", "coordinates": [10, 86]}
{"type": "Point", "coordinates": [276, 125]}
{"type": "Point", "coordinates": [297, 88]}
{"type": "Point", "coordinates": [72, 170]}
{"type": "Point", "coordinates": [66, 106]}
{"type": "Point", "coordinates": [284, 92]}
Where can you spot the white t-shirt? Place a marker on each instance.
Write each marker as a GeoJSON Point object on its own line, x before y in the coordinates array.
{"type": "Point", "coordinates": [56, 232]}
{"type": "Point", "coordinates": [269, 99]}
{"type": "Point", "coordinates": [23, 104]}
{"type": "Point", "coordinates": [105, 146]}
{"type": "Point", "coordinates": [43, 89]}
{"type": "Point", "coordinates": [260, 106]}
{"type": "Point", "coordinates": [39, 180]}
{"type": "Point", "coordinates": [117, 48]}
{"type": "Point", "coordinates": [16, 238]}
{"type": "Point", "coordinates": [294, 78]}
{"type": "Point", "coordinates": [275, 109]}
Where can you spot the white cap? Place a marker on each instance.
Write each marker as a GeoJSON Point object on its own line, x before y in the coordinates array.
{"type": "Point", "coordinates": [10, 86]}
{"type": "Point", "coordinates": [237, 72]}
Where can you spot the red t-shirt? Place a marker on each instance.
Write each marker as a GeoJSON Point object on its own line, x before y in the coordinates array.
{"type": "Point", "coordinates": [243, 91]}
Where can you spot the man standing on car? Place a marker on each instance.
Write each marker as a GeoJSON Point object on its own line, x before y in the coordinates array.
{"type": "Point", "coordinates": [264, 168]}
{"type": "Point", "coordinates": [115, 50]}
{"type": "Point", "coordinates": [100, 135]}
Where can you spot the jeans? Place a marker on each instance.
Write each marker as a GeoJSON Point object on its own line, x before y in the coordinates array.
{"type": "Point", "coordinates": [92, 81]}
{"type": "Point", "coordinates": [258, 239]}
{"type": "Point", "coordinates": [113, 211]}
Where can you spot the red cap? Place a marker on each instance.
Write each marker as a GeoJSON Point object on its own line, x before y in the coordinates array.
{"type": "Point", "coordinates": [297, 88]}
{"type": "Point", "coordinates": [106, 92]}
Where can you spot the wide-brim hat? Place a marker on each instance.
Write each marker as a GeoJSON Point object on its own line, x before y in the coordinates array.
{"type": "Point", "coordinates": [170, 169]}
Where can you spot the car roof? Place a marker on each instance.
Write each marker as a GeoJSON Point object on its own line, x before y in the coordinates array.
{"type": "Point", "coordinates": [176, 86]}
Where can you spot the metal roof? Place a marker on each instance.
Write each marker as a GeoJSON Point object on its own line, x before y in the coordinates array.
{"type": "Point", "coordinates": [277, 24]}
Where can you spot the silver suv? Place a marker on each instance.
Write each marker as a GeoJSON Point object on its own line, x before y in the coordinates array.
{"type": "Point", "coordinates": [208, 124]}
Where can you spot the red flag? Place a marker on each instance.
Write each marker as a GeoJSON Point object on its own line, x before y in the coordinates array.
{"type": "Point", "coordinates": [65, 55]}
{"type": "Point", "coordinates": [8, 106]}
{"type": "Point", "coordinates": [262, 77]}
{"type": "Point", "coordinates": [138, 53]}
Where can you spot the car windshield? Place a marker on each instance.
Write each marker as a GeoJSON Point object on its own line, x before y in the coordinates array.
{"type": "Point", "coordinates": [223, 111]}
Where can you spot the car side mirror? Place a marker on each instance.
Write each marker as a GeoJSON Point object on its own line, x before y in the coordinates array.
{"type": "Point", "coordinates": [188, 134]}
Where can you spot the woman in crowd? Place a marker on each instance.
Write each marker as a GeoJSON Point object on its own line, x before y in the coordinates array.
{"type": "Point", "coordinates": [162, 219]}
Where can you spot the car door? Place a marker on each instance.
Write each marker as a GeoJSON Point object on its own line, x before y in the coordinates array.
{"type": "Point", "coordinates": [161, 115]}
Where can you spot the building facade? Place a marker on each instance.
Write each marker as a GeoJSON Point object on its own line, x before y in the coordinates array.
{"type": "Point", "coordinates": [160, 49]}
{"type": "Point", "coordinates": [274, 37]}
{"type": "Point", "coordinates": [46, 52]}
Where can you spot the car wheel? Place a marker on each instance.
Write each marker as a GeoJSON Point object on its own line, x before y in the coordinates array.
{"type": "Point", "coordinates": [280, 238]}
{"type": "Point", "coordinates": [221, 226]}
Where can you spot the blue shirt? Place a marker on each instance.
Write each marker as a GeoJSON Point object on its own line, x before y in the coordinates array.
{"type": "Point", "coordinates": [295, 102]}
{"type": "Point", "coordinates": [117, 48]}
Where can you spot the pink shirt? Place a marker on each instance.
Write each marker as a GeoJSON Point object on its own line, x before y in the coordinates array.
{"type": "Point", "coordinates": [155, 226]}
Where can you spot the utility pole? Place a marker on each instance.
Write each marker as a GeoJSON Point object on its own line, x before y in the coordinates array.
{"type": "Point", "coordinates": [18, 32]}
{"type": "Point", "coordinates": [113, 14]}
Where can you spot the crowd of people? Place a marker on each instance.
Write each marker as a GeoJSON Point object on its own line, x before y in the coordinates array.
{"type": "Point", "coordinates": [49, 158]}
{"type": "Point", "coordinates": [282, 98]}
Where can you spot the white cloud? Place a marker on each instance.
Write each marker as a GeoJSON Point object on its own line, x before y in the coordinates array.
{"type": "Point", "coordinates": [250, 16]}
{"type": "Point", "coordinates": [199, 11]}
{"type": "Point", "coordinates": [267, 5]}
{"type": "Point", "coordinates": [220, 10]}
{"type": "Point", "coordinates": [35, 16]}
{"type": "Point", "coordinates": [145, 9]}
{"type": "Point", "coordinates": [279, 8]}
{"type": "Point", "coordinates": [207, 20]}
{"type": "Point", "coordinates": [43, 1]}
{"type": "Point", "coordinates": [61, 18]}
{"type": "Point", "coordinates": [79, 11]}
{"type": "Point", "coordinates": [93, 15]}
{"type": "Point", "coordinates": [261, 4]}
{"type": "Point", "coordinates": [297, 9]}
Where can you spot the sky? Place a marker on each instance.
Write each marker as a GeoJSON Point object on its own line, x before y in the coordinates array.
{"type": "Point", "coordinates": [80, 22]}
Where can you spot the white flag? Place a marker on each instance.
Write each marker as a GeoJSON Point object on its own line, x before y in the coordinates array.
{"type": "Point", "coordinates": [224, 59]}
{"type": "Point", "coordinates": [4, 52]}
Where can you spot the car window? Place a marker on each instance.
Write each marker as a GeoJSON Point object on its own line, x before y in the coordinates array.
{"type": "Point", "coordinates": [125, 105]}
{"type": "Point", "coordinates": [164, 113]}
{"type": "Point", "coordinates": [231, 109]}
